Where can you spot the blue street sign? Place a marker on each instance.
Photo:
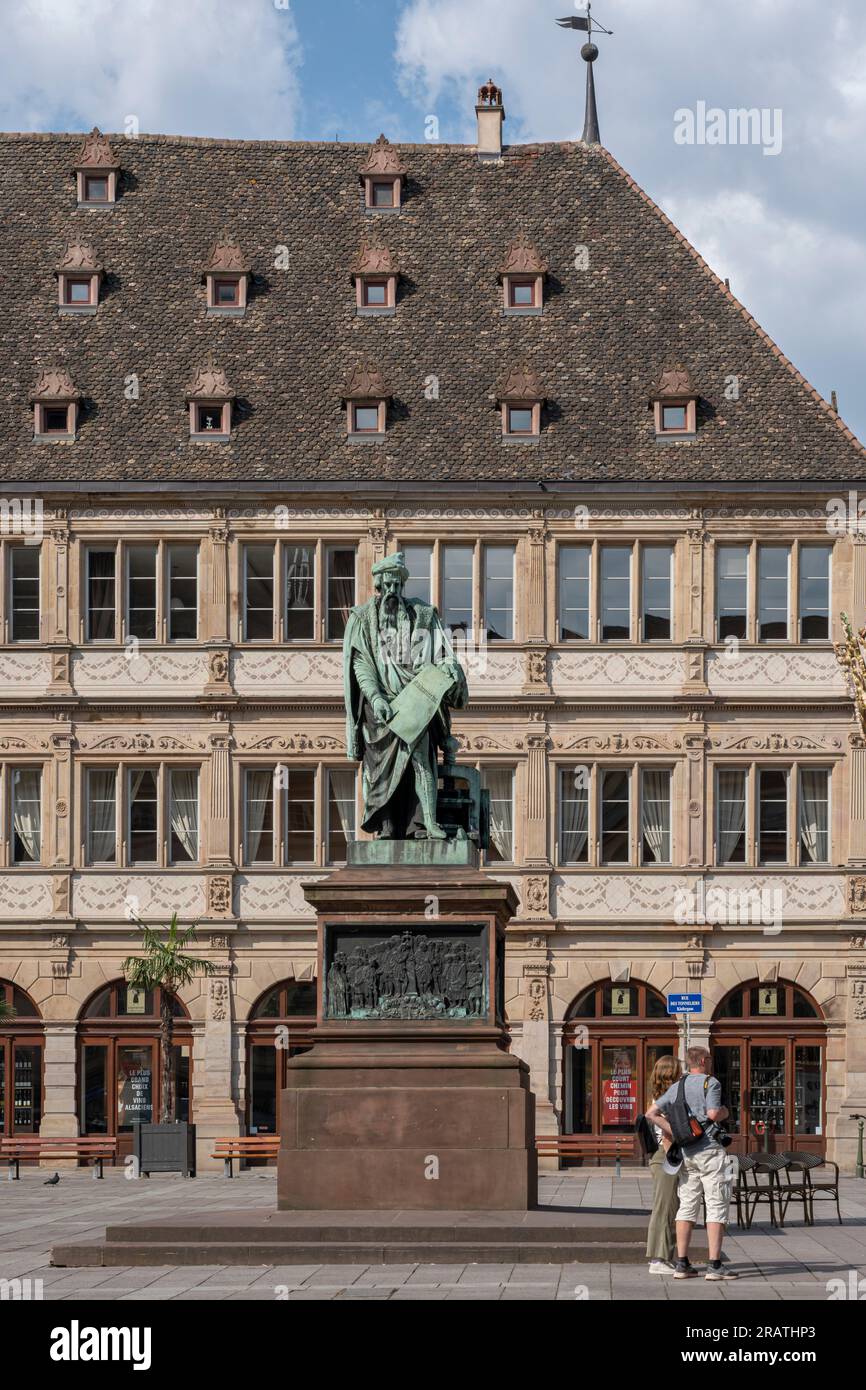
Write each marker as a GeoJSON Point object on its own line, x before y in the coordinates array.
{"type": "Point", "coordinates": [685, 1003]}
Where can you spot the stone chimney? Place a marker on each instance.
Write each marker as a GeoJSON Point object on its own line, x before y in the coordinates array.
{"type": "Point", "coordinates": [491, 114]}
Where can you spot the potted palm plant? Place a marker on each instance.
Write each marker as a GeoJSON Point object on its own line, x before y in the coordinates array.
{"type": "Point", "coordinates": [169, 1145]}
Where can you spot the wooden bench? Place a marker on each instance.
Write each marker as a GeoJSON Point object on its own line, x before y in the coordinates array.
{"type": "Point", "coordinates": [249, 1146]}
{"type": "Point", "coordinates": [35, 1146]}
{"type": "Point", "coordinates": [584, 1146]}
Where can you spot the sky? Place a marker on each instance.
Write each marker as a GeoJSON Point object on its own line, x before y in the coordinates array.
{"type": "Point", "coordinates": [781, 216]}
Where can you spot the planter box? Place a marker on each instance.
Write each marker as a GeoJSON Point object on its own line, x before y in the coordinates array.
{"type": "Point", "coordinates": [165, 1148]}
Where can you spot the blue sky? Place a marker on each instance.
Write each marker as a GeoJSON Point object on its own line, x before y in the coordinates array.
{"type": "Point", "coordinates": [789, 229]}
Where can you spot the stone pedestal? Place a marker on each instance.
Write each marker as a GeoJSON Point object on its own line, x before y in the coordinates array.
{"type": "Point", "coordinates": [389, 1110]}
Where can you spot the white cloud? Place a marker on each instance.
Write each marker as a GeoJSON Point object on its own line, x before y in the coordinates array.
{"type": "Point", "coordinates": [200, 67]}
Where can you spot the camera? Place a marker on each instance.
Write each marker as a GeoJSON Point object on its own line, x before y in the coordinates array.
{"type": "Point", "coordinates": [716, 1131]}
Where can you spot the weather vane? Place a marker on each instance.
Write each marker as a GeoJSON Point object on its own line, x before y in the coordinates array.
{"type": "Point", "coordinates": [588, 53]}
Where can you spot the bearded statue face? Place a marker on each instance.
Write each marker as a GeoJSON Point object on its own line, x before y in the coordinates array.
{"type": "Point", "coordinates": [391, 590]}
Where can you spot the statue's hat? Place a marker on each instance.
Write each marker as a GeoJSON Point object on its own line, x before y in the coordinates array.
{"type": "Point", "coordinates": [391, 562]}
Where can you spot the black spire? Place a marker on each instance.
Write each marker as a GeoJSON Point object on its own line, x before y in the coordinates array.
{"type": "Point", "coordinates": [589, 53]}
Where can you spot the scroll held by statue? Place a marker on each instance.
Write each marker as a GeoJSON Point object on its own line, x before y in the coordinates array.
{"type": "Point", "coordinates": [416, 704]}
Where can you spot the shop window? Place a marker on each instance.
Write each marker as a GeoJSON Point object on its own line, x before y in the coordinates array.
{"type": "Point", "coordinates": [280, 1027]}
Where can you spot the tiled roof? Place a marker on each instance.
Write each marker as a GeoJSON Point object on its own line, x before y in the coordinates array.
{"type": "Point", "coordinates": [646, 303]}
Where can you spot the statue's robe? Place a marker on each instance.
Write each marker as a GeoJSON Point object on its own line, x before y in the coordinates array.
{"type": "Point", "coordinates": [382, 657]}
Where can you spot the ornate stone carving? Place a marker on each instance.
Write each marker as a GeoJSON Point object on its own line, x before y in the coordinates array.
{"type": "Point", "coordinates": [858, 994]}
{"type": "Point", "coordinates": [616, 743]}
{"type": "Point", "coordinates": [536, 895]}
{"type": "Point", "coordinates": [209, 383]}
{"type": "Point", "coordinates": [778, 743]}
{"type": "Point", "coordinates": [225, 254]}
{"type": "Point", "coordinates": [96, 153]}
{"type": "Point", "coordinates": [55, 384]}
{"type": "Point", "coordinates": [60, 668]}
{"type": "Point", "coordinates": [521, 383]}
{"type": "Point", "coordinates": [523, 258]}
{"type": "Point", "coordinates": [536, 667]}
{"type": "Point", "coordinates": [536, 994]}
{"type": "Point", "coordinates": [219, 1000]}
{"type": "Point", "coordinates": [401, 974]}
{"type": "Point", "coordinates": [675, 383]}
{"type": "Point", "coordinates": [366, 382]}
{"type": "Point", "coordinates": [79, 256]}
{"type": "Point", "coordinates": [218, 667]}
{"type": "Point", "coordinates": [383, 158]}
{"type": "Point", "coordinates": [60, 892]}
{"type": "Point", "coordinates": [219, 943]}
{"type": "Point", "coordinates": [219, 894]}
{"type": "Point", "coordinates": [374, 260]}
{"type": "Point", "coordinates": [60, 941]}
{"type": "Point", "coordinates": [857, 943]}
{"type": "Point", "coordinates": [857, 896]}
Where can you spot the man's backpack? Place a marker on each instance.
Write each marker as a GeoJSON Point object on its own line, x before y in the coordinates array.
{"type": "Point", "coordinates": [685, 1126]}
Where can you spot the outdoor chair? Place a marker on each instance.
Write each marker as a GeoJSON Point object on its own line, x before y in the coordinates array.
{"type": "Point", "coordinates": [809, 1163]}
{"type": "Point", "coordinates": [750, 1190]}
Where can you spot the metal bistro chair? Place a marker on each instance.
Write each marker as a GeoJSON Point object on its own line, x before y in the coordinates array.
{"type": "Point", "coordinates": [808, 1163]}
{"type": "Point", "coordinates": [796, 1184]}
{"type": "Point", "coordinates": [749, 1194]}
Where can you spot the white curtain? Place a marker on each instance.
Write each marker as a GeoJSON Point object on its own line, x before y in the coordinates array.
{"type": "Point", "coordinates": [731, 810]}
{"type": "Point", "coordinates": [184, 809]}
{"type": "Point", "coordinates": [259, 799]}
{"type": "Point", "coordinates": [27, 811]}
{"type": "Point", "coordinates": [299, 577]}
{"type": "Point", "coordinates": [574, 816]}
{"type": "Point", "coordinates": [814, 808]}
{"type": "Point", "coordinates": [343, 801]}
{"type": "Point", "coordinates": [499, 783]}
{"type": "Point", "coordinates": [656, 814]}
{"type": "Point", "coordinates": [102, 816]}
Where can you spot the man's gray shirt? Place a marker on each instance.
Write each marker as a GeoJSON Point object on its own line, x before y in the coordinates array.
{"type": "Point", "coordinates": [698, 1101]}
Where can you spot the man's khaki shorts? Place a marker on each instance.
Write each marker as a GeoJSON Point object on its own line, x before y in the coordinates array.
{"type": "Point", "coordinates": [705, 1174]}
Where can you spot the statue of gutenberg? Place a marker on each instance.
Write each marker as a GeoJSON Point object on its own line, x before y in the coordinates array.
{"type": "Point", "coordinates": [390, 640]}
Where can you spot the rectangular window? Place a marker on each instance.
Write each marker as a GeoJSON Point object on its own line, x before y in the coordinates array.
{"type": "Point", "coordinates": [815, 593]}
{"type": "Point", "coordinates": [574, 815]}
{"type": "Point", "coordinates": [731, 822]}
{"type": "Point", "coordinates": [300, 578]}
{"type": "Point", "coordinates": [375, 294]}
{"type": "Point", "coordinates": [457, 587]}
{"type": "Point", "coordinates": [183, 815]}
{"type": "Point", "coordinates": [226, 293]}
{"type": "Point", "coordinates": [259, 593]}
{"type": "Point", "coordinates": [143, 820]}
{"type": "Point", "coordinates": [55, 419]}
{"type": "Point", "coordinates": [259, 816]}
{"type": "Point", "coordinates": [655, 815]}
{"type": "Point", "coordinates": [732, 591]}
{"type": "Point", "coordinates": [77, 291]}
{"type": "Point", "coordinates": [499, 782]}
{"type": "Point", "coordinates": [365, 419]}
{"type": "Point", "coordinates": [182, 592]}
{"type": "Point", "coordinates": [26, 815]}
{"type": "Point", "coordinates": [814, 790]}
{"type": "Point", "coordinates": [673, 417]}
{"type": "Point", "coordinates": [499, 592]}
{"type": "Point", "coordinates": [615, 593]}
{"type": "Point", "coordinates": [341, 591]}
{"type": "Point", "coordinates": [95, 188]}
{"type": "Point", "coordinates": [774, 563]}
{"type": "Point", "coordinates": [520, 419]}
{"type": "Point", "coordinates": [383, 193]}
{"type": "Point", "coordinates": [141, 591]}
{"type": "Point", "coordinates": [522, 294]}
{"type": "Point", "coordinates": [419, 563]}
{"type": "Point", "coordinates": [656, 589]}
{"type": "Point", "coordinates": [209, 419]}
{"type": "Point", "coordinates": [301, 815]}
{"type": "Point", "coordinates": [574, 615]}
{"type": "Point", "coordinates": [341, 814]}
{"type": "Point", "coordinates": [615, 806]}
{"type": "Point", "coordinates": [102, 816]}
{"type": "Point", "coordinates": [772, 816]}
{"type": "Point", "coordinates": [101, 595]}
{"type": "Point", "coordinates": [24, 593]}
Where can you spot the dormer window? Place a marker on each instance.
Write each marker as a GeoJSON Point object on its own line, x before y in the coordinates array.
{"type": "Point", "coordinates": [96, 172]}
{"type": "Point", "coordinates": [522, 275]}
{"type": "Point", "coordinates": [383, 175]}
{"type": "Point", "coordinates": [79, 275]}
{"type": "Point", "coordinates": [674, 404]}
{"type": "Point", "coordinates": [374, 294]}
{"type": "Point", "coordinates": [375, 274]}
{"type": "Point", "coordinates": [520, 399]}
{"type": "Point", "coordinates": [55, 406]}
{"type": "Point", "coordinates": [209, 399]}
{"type": "Point", "coordinates": [366, 400]}
{"type": "Point", "coordinates": [227, 273]}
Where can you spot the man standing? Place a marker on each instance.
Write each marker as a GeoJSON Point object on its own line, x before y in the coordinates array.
{"type": "Point", "coordinates": [704, 1172]}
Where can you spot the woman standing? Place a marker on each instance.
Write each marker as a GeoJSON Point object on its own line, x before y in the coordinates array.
{"type": "Point", "coordinates": [661, 1244]}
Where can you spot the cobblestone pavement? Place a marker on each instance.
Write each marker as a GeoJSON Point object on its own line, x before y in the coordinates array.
{"type": "Point", "coordinates": [796, 1263]}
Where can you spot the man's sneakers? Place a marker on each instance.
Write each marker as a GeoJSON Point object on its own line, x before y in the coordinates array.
{"type": "Point", "coordinates": [684, 1270]}
{"type": "Point", "coordinates": [716, 1271]}
{"type": "Point", "coordinates": [661, 1267]}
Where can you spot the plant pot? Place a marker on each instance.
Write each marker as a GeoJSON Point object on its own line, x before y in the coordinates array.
{"type": "Point", "coordinates": [165, 1148]}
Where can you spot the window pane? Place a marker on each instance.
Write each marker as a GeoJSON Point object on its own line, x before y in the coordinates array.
{"type": "Point", "coordinates": [24, 593]}
{"type": "Point", "coordinates": [499, 591]}
{"type": "Point", "coordinates": [614, 817]}
{"type": "Point", "coordinates": [95, 189]}
{"type": "Point", "coordinates": [94, 1091]}
{"type": "Point", "coordinates": [673, 417]}
{"type": "Point", "coordinates": [341, 592]}
{"type": "Point", "coordinates": [523, 294]}
{"type": "Point", "coordinates": [519, 420]}
{"type": "Point", "coordinates": [301, 816]}
{"type": "Point", "coordinates": [102, 816]}
{"type": "Point", "coordinates": [182, 592]}
{"type": "Point", "coordinates": [55, 419]}
{"type": "Point", "coordinates": [78, 291]}
{"type": "Point", "coordinates": [383, 194]}
{"type": "Point", "coordinates": [300, 592]}
{"type": "Point", "coordinates": [141, 591]}
{"type": "Point", "coordinates": [26, 815]}
{"type": "Point", "coordinates": [807, 1090]}
{"type": "Point", "coordinates": [773, 564]}
{"type": "Point", "coordinates": [27, 1083]}
{"type": "Point", "coordinates": [259, 593]}
{"type": "Point", "coordinates": [657, 565]}
{"type": "Point", "coordinates": [419, 562]}
{"type": "Point", "coordinates": [134, 1086]}
{"type": "Point", "coordinates": [499, 782]}
{"type": "Point", "coordinates": [731, 815]}
{"type": "Point", "coordinates": [615, 592]}
{"type": "Point", "coordinates": [574, 815]}
{"type": "Point", "coordinates": [184, 819]}
{"type": "Point", "coordinates": [814, 815]}
{"type": "Point", "coordinates": [457, 587]}
{"type": "Point", "coordinates": [259, 816]}
{"type": "Point", "coordinates": [375, 292]}
{"type": "Point", "coordinates": [656, 816]}
{"type": "Point", "coordinates": [574, 592]}
{"type": "Point", "coordinates": [814, 592]}
{"type": "Point", "coordinates": [732, 584]}
{"type": "Point", "coordinates": [341, 814]}
{"type": "Point", "coordinates": [143, 818]}
{"type": "Point", "coordinates": [726, 1066]}
{"type": "Point", "coordinates": [773, 816]}
{"type": "Point", "coordinates": [101, 595]}
{"type": "Point", "coordinates": [366, 418]}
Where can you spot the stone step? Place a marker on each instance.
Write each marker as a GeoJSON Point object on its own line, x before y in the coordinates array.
{"type": "Point", "coordinates": [179, 1233]}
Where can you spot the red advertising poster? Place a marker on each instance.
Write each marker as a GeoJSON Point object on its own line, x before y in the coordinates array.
{"type": "Point", "coordinates": [619, 1094]}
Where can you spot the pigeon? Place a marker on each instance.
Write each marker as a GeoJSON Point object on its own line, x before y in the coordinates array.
{"type": "Point", "coordinates": [52, 1182]}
